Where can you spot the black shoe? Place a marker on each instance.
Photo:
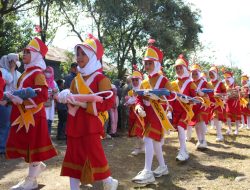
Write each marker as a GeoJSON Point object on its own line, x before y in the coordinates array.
{"type": "Point", "coordinates": [61, 138]}
{"type": "Point", "coordinates": [114, 135]}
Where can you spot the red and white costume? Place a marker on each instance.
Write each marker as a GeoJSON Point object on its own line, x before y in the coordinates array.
{"type": "Point", "coordinates": [218, 107]}
{"type": "Point", "coordinates": [233, 110]}
{"type": "Point", "coordinates": [85, 160]}
{"type": "Point", "coordinates": [155, 118]}
{"type": "Point", "coordinates": [201, 111]}
{"type": "Point", "coordinates": [28, 136]}
{"type": "Point", "coordinates": [244, 102]}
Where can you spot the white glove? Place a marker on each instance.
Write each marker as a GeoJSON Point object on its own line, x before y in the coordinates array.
{"type": "Point", "coordinates": [184, 100]}
{"type": "Point", "coordinates": [14, 99]}
{"type": "Point", "coordinates": [141, 111]}
{"type": "Point", "coordinates": [62, 96]}
{"type": "Point", "coordinates": [71, 100]}
{"type": "Point", "coordinates": [169, 115]}
{"type": "Point", "coordinates": [200, 93]}
{"type": "Point", "coordinates": [131, 101]}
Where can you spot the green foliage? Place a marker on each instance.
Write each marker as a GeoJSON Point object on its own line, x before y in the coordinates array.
{"type": "Point", "coordinates": [124, 26]}
{"type": "Point", "coordinates": [65, 66]}
{"type": "Point", "coordinates": [14, 35]}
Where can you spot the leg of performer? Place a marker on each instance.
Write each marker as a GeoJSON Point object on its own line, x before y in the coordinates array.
{"type": "Point", "coordinates": [203, 129]}
{"type": "Point", "coordinates": [110, 183]}
{"type": "Point", "coordinates": [139, 146]}
{"type": "Point", "coordinates": [218, 130]}
{"type": "Point", "coordinates": [242, 122]}
{"type": "Point", "coordinates": [198, 133]}
{"type": "Point", "coordinates": [146, 175]}
{"type": "Point", "coordinates": [30, 182]}
{"type": "Point", "coordinates": [35, 168]}
{"type": "Point", "coordinates": [248, 122]}
{"type": "Point", "coordinates": [162, 168]}
{"type": "Point", "coordinates": [229, 123]}
{"type": "Point", "coordinates": [74, 183]}
{"type": "Point", "coordinates": [189, 133]}
{"type": "Point", "coordinates": [183, 154]}
{"type": "Point", "coordinates": [149, 153]}
{"type": "Point", "coordinates": [237, 125]}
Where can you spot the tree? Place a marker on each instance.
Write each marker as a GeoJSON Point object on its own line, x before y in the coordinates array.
{"type": "Point", "coordinates": [125, 25]}
{"type": "Point", "coordinates": [14, 35]}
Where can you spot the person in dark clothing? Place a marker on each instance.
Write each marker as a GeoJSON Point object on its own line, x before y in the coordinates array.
{"type": "Point", "coordinates": [71, 75]}
{"type": "Point", "coordinates": [62, 114]}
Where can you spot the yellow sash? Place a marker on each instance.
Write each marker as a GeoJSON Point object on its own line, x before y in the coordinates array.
{"type": "Point", "coordinates": [27, 117]}
{"type": "Point", "coordinates": [187, 107]}
{"type": "Point", "coordinates": [243, 102]}
{"type": "Point", "coordinates": [158, 109]}
{"type": "Point", "coordinates": [82, 88]}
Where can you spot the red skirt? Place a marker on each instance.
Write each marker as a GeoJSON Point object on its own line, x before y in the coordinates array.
{"type": "Point", "coordinates": [135, 128]}
{"type": "Point", "coordinates": [85, 159]}
{"type": "Point", "coordinates": [33, 146]}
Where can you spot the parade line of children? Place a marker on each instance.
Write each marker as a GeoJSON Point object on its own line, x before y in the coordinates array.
{"type": "Point", "coordinates": [190, 102]}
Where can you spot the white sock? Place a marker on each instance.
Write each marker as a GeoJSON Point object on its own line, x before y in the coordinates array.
{"type": "Point", "coordinates": [248, 121]}
{"type": "Point", "coordinates": [242, 121]}
{"type": "Point", "coordinates": [107, 180]}
{"type": "Point", "coordinates": [237, 125]}
{"type": "Point", "coordinates": [229, 123]}
{"type": "Point", "coordinates": [203, 130]}
{"type": "Point", "coordinates": [218, 127]}
{"type": "Point", "coordinates": [159, 153]}
{"type": "Point", "coordinates": [149, 153]}
{"type": "Point", "coordinates": [74, 183]}
{"type": "Point", "coordinates": [189, 132]}
{"type": "Point", "coordinates": [34, 169]}
{"type": "Point", "coordinates": [182, 138]}
{"type": "Point", "coordinates": [198, 131]}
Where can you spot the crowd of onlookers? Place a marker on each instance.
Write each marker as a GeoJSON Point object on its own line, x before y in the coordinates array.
{"type": "Point", "coordinates": [9, 67]}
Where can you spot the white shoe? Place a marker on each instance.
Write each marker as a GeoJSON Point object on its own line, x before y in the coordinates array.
{"type": "Point", "coordinates": [228, 132]}
{"type": "Point", "coordinates": [111, 185]}
{"type": "Point", "coordinates": [248, 127]}
{"type": "Point", "coordinates": [201, 145]}
{"type": "Point", "coordinates": [219, 139]}
{"type": "Point", "coordinates": [242, 126]}
{"type": "Point", "coordinates": [144, 177]}
{"type": "Point", "coordinates": [27, 184]}
{"type": "Point", "coordinates": [160, 171]}
{"type": "Point", "coordinates": [137, 151]}
{"type": "Point", "coordinates": [236, 132]}
{"type": "Point", "coordinates": [182, 156]}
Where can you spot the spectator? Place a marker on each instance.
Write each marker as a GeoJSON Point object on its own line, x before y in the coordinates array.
{"type": "Point", "coordinates": [62, 114]}
{"type": "Point", "coordinates": [125, 110]}
{"type": "Point", "coordinates": [68, 79]}
{"type": "Point", "coordinates": [52, 90]}
{"type": "Point", "coordinates": [8, 64]}
{"type": "Point", "coordinates": [114, 113]}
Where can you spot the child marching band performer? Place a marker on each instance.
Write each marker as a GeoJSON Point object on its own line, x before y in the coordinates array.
{"type": "Point", "coordinates": [218, 110]}
{"type": "Point", "coordinates": [29, 137]}
{"type": "Point", "coordinates": [85, 160]}
{"type": "Point", "coordinates": [155, 117]}
{"type": "Point", "coordinates": [233, 110]}
{"type": "Point", "coordinates": [244, 102]}
{"type": "Point", "coordinates": [182, 108]}
{"type": "Point", "coordinates": [201, 111]}
{"type": "Point", "coordinates": [136, 123]}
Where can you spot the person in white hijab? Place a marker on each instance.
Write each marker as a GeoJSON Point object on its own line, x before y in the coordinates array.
{"type": "Point", "coordinates": [8, 65]}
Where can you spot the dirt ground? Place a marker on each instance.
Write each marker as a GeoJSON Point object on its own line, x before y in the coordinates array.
{"type": "Point", "coordinates": [219, 167]}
